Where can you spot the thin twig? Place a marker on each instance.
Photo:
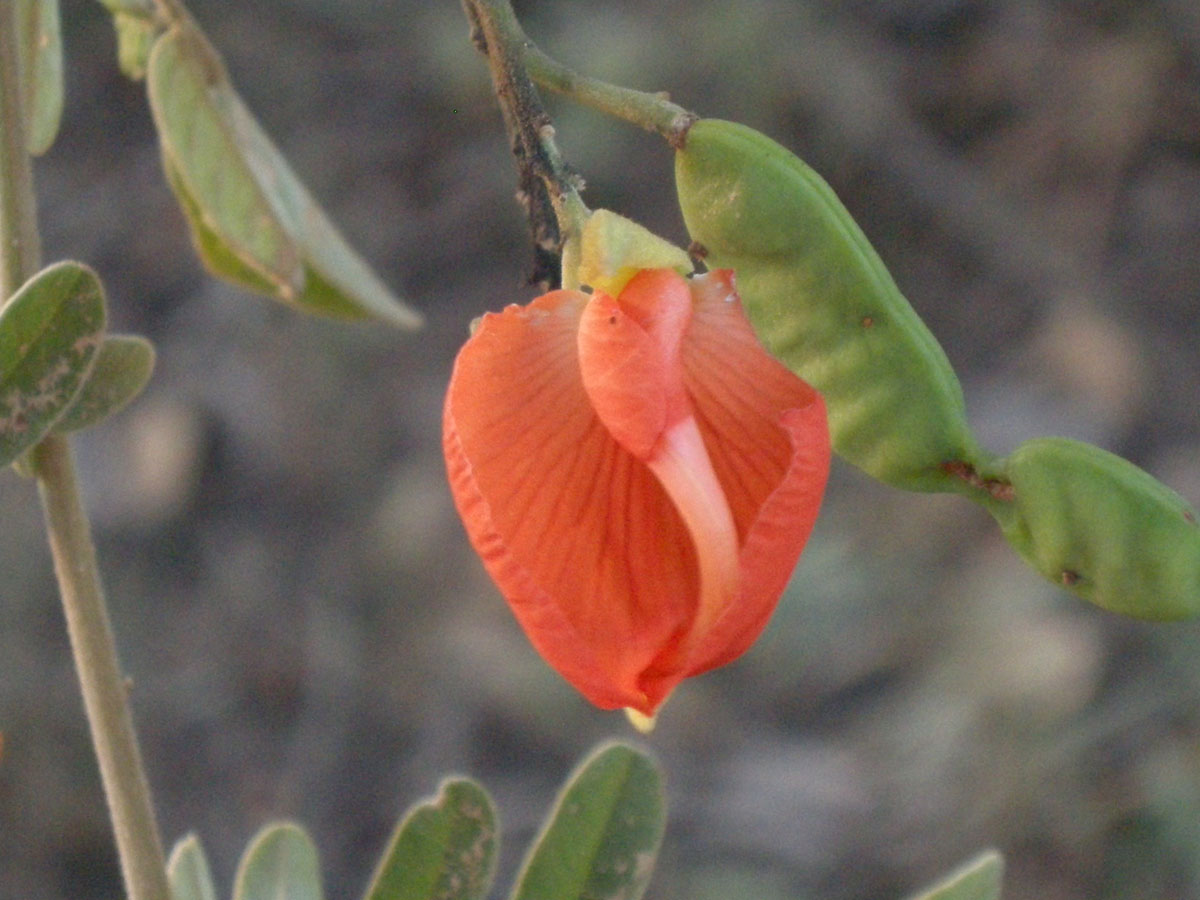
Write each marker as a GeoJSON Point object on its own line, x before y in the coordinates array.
{"type": "Point", "coordinates": [546, 189]}
{"type": "Point", "coordinates": [654, 112]}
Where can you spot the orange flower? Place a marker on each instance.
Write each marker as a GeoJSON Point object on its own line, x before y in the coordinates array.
{"type": "Point", "coordinates": [638, 476]}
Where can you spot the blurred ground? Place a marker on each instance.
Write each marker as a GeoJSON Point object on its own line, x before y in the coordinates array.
{"type": "Point", "coordinates": [309, 635]}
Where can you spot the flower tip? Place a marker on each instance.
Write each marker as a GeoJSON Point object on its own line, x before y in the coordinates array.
{"type": "Point", "coordinates": [639, 720]}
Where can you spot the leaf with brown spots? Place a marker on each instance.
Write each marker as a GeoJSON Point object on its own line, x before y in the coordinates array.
{"type": "Point", "coordinates": [50, 333]}
{"type": "Point", "coordinates": [601, 839]}
{"type": "Point", "coordinates": [443, 849]}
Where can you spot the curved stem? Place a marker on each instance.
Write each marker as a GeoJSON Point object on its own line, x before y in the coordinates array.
{"type": "Point", "coordinates": [516, 63]}
{"type": "Point", "coordinates": [545, 182]}
{"type": "Point", "coordinates": [104, 692]}
{"type": "Point", "coordinates": [653, 112]}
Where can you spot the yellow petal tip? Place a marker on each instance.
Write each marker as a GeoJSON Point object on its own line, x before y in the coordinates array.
{"type": "Point", "coordinates": [642, 722]}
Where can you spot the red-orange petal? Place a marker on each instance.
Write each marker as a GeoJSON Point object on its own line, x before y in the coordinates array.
{"type": "Point", "coordinates": [577, 533]}
{"type": "Point", "coordinates": [768, 440]}
{"type": "Point", "coordinates": [629, 357]}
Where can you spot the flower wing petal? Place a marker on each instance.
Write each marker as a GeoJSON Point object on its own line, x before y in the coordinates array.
{"type": "Point", "coordinates": [768, 440]}
{"type": "Point", "coordinates": [577, 533]}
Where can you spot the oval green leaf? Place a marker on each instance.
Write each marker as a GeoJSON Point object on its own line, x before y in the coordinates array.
{"type": "Point", "coordinates": [182, 80]}
{"type": "Point", "coordinates": [253, 221]}
{"type": "Point", "coordinates": [443, 848]}
{"type": "Point", "coordinates": [1104, 529]}
{"type": "Point", "coordinates": [123, 366]}
{"type": "Point", "coordinates": [601, 838]}
{"type": "Point", "coordinates": [824, 303]}
{"type": "Point", "coordinates": [50, 332]}
{"type": "Point", "coordinates": [187, 872]}
{"type": "Point", "coordinates": [212, 249]}
{"type": "Point", "coordinates": [979, 879]}
{"type": "Point", "coordinates": [280, 864]}
{"type": "Point", "coordinates": [40, 60]}
{"type": "Point", "coordinates": [337, 282]}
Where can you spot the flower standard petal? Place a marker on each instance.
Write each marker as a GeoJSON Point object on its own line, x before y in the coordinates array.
{"type": "Point", "coordinates": [578, 534]}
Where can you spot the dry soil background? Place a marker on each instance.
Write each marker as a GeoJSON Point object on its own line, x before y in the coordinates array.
{"type": "Point", "coordinates": [307, 632]}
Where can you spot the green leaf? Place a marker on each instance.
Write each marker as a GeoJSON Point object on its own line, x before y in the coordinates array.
{"type": "Point", "coordinates": [213, 250]}
{"type": "Point", "coordinates": [199, 147]}
{"type": "Point", "coordinates": [602, 836]}
{"type": "Point", "coordinates": [123, 365]}
{"type": "Point", "coordinates": [252, 220]}
{"type": "Point", "coordinates": [40, 63]}
{"type": "Point", "coordinates": [50, 332]}
{"type": "Point", "coordinates": [978, 879]}
{"type": "Point", "coordinates": [188, 872]}
{"type": "Point", "coordinates": [279, 864]}
{"type": "Point", "coordinates": [135, 38]}
{"type": "Point", "coordinates": [443, 849]}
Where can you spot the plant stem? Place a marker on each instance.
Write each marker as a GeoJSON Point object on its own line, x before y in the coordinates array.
{"type": "Point", "coordinates": [19, 248]}
{"type": "Point", "coordinates": [546, 185]}
{"type": "Point", "coordinates": [549, 192]}
{"type": "Point", "coordinates": [653, 112]}
{"type": "Point", "coordinates": [104, 690]}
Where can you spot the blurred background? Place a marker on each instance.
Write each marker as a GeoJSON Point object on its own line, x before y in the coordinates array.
{"type": "Point", "coordinates": [306, 629]}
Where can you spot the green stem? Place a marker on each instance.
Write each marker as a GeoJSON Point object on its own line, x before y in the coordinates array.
{"type": "Point", "coordinates": [20, 248]}
{"type": "Point", "coordinates": [104, 690]}
{"type": "Point", "coordinates": [653, 112]}
{"type": "Point", "coordinates": [142, 9]}
{"type": "Point", "coordinates": [516, 63]}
